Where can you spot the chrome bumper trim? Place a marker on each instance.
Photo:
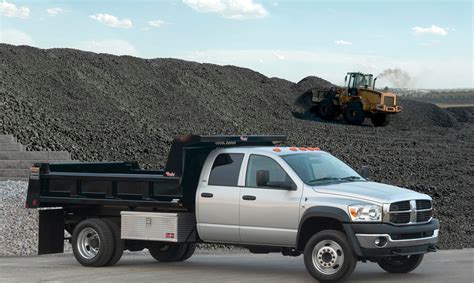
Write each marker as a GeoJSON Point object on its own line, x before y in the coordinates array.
{"type": "Point", "coordinates": [367, 241]}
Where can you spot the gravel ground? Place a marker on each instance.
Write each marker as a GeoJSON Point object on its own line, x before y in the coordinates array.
{"type": "Point", "coordinates": [18, 226]}
{"type": "Point", "coordinates": [104, 107]}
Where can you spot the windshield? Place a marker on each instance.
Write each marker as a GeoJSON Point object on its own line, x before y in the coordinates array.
{"type": "Point", "coordinates": [362, 80]}
{"type": "Point", "coordinates": [319, 168]}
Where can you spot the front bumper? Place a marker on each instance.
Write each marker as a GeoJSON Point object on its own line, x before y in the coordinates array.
{"type": "Point", "coordinates": [367, 241]}
{"type": "Point", "coordinates": [385, 108]}
{"type": "Point", "coordinates": [399, 240]}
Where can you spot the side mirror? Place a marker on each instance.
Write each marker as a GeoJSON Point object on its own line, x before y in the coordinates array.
{"type": "Point", "coordinates": [364, 172]}
{"type": "Point", "coordinates": [263, 176]}
{"type": "Point", "coordinates": [292, 187]}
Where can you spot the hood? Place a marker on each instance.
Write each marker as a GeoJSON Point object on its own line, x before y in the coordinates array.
{"type": "Point", "coordinates": [370, 191]}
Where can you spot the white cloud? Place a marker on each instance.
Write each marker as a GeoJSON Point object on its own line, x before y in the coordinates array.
{"type": "Point", "coordinates": [15, 37]}
{"type": "Point", "coordinates": [112, 21]}
{"type": "Point", "coordinates": [110, 46]}
{"type": "Point", "coordinates": [342, 42]}
{"type": "Point", "coordinates": [54, 11]}
{"type": "Point", "coordinates": [10, 10]}
{"type": "Point", "coordinates": [278, 55]}
{"type": "Point", "coordinates": [156, 23]}
{"type": "Point", "coordinates": [231, 9]}
{"type": "Point", "coordinates": [434, 30]}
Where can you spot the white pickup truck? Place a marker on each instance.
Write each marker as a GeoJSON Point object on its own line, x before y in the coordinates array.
{"type": "Point", "coordinates": [239, 190]}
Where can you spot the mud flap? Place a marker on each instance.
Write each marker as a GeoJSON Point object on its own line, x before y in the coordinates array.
{"type": "Point", "coordinates": [51, 231]}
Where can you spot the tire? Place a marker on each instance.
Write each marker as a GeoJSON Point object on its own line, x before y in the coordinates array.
{"type": "Point", "coordinates": [119, 244]}
{"type": "Point", "coordinates": [190, 249]}
{"type": "Point", "coordinates": [328, 257]}
{"type": "Point", "coordinates": [93, 243]}
{"type": "Point", "coordinates": [168, 252]}
{"type": "Point", "coordinates": [326, 109]}
{"type": "Point", "coordinates": [400, 264]}
{"type": "Point", "coordinates": [353, 113]}
{"type": "Point", "coordinates": [380, 119]}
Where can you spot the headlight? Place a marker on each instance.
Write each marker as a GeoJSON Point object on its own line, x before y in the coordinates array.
{"type": "Point", "coordinates": [365, 212]}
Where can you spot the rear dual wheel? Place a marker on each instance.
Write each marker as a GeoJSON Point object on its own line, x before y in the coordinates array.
{"type": "Point", "coordinates": [172, 252]}
{"type": "Point", "coordinates": [96, 242]}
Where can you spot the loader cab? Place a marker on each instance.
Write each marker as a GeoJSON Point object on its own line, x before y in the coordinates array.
{"type": "Point", "coordinates": [356, 81]}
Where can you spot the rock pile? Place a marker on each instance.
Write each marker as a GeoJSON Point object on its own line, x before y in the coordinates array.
{"type": "Point", "coordinates": [104, 107]}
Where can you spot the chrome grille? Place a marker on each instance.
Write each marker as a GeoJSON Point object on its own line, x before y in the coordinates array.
{"type": "Point", "coordinates": [389, 101]}
{"type": "Point", "coordinates": [422, 216]}
{"type": "Point", "coordinates": [400, 206]}
{"type": "Point", "coordinates": [423, 204]}
{"type": "Point", "coordinates": [409, 212]}
{"type": "Point", "coordinates": [400, 218]}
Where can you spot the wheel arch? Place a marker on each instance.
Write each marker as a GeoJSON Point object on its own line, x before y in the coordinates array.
{"type": "Point", "coordinates": [319, 218]}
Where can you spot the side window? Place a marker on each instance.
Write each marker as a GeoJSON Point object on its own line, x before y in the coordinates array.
{"type": "Point", "coordinates": [225, 170]}
{"type": "Point", "coordinates": [263, 171]}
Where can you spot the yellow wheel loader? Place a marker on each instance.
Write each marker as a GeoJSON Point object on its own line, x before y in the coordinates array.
{"type": "Point", "coordinates": [356, 101]}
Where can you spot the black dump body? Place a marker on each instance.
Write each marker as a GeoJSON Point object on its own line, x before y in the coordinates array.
{"type": "Point", "coordinates": [125, 184]}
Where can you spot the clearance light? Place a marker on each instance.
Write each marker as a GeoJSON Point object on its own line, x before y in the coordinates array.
{"type": "Point", "coordinates": [303, 148]}
{"type": "Point", "coordinates": [277, 149]}
{"type": "Point", "coordinates": [293, 149]}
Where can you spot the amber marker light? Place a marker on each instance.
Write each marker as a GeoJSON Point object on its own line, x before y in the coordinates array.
{"type": "Point", "coordinates": [353, 212]}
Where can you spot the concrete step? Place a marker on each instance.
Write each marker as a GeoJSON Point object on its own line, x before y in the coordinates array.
{"type": "Point", "coordinates": [11, 147]}
{"type": "Point", "coordinates": [25, 164]}
{"type": "Point", "coordinates": [34, 155]}
{"type": "Point", "coordinates": [13, 179]}
{"type": "Point", "coordinates": [16, 173]}
{"type": "Point", "coordinates": [7, 139]}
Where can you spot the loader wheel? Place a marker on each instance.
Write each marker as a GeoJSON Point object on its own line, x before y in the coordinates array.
{"type": "Point", "coordinates": [380, 119]}
{"type": "Point", "coordinates": [93, 243]}
{"type": "Point", "coordinates": [119, 244]}
{"type": "Point", "coordinates": [168, 252]}
{"type": "Point", "coordinates": [326, 109]}
{"type": "Point", "coordinates": [353, 113]}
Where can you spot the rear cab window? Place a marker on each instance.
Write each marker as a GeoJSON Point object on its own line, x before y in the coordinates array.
{"type": "Point", "coordinates": [226, 169]}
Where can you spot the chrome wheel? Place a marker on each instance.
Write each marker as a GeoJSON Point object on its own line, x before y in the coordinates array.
{"type": "Point", "coordinates": [88, 243]}
{"type": "Point", "coordinates": [328, 257]}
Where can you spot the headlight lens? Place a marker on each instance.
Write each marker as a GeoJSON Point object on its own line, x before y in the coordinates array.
{"type": "Point", "coordinates": [365, 212]}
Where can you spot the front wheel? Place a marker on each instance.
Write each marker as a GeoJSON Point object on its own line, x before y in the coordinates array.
{"type": "Point", "coordinates": [400, 264]}
{"type": "Point", "coordinates": [353, 113]}
{"type": "Point", "coordinates": [328, 256]}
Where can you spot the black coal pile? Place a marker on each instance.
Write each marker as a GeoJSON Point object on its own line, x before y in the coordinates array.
{"type": "Point", "coordinates": [104, 107]}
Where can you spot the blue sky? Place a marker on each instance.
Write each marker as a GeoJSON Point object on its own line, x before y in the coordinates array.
{"type": "Point", "coordinates": [432, 41]}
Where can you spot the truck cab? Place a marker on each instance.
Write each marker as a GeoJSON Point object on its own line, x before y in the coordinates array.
{"type": "Point", "coordinates": [241, 190]}
{"type": "Point", "coordinates": [279, 198]}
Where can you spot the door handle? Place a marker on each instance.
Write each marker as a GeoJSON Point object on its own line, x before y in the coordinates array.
{"type": "Point", "coordinates": [249, 197]}
{"type": "Point", "coordinates": [207, 195]}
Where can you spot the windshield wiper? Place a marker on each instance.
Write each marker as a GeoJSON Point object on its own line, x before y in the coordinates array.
{"type": "Point", "coordinates": [351, 178]}
{"type": "Point", "coordinates": [348, 178]}
{"type": "Point", "coordinates": [324, 179]}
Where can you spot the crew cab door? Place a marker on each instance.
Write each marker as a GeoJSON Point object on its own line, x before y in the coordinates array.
{"type": "Point", "coordinates": [269, 207]}
{"type": "Point", "coordinates": [217, 199]}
